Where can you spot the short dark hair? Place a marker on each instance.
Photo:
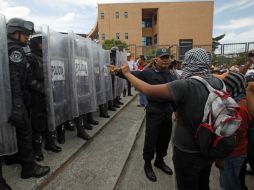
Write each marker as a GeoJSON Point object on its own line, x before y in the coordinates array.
{"type": "Point", "coordinates": [143, 58]}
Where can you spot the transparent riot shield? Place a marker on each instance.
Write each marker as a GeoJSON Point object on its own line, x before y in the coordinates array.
{"type": "Point", "coordinates": [82, 76]}
{"type": "Point", "coordinates": [117, 79]}
{"type": "Point", "coordinates": [107, 76]}
{"type": "Point", "coordinates": [120, 83]}
{"type": "Point", "coordinates": [8, 142]}
{"type": "Point", "coordinates": [57, 81]}
{"type": "Point", "coordinates": [98, 74]}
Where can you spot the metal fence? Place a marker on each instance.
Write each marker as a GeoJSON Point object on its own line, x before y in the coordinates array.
{"type": "Point", "coordinates": [233, 53]}
{"type": "Point", "coordinates": [177, 51]}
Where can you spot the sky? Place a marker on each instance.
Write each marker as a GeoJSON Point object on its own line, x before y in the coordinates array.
{"type": "Point", "coordinates": [235, 18]}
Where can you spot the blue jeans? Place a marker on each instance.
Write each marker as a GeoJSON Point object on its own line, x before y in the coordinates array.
{"type": "Point", "coordinates": [142, 99]}
{"type": "Point", "coordinates": [229, 176]}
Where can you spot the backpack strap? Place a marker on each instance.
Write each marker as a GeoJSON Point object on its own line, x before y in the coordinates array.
{"type": "Point", "coordinates": [207, 85]}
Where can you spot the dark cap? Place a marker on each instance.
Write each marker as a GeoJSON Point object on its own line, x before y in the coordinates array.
{"type": "Point", "coordinates": [143, 58]}
{"type": "Point", "coordinates": [162, 52]}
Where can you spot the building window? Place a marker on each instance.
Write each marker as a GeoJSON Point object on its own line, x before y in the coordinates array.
{"type": "Point", "coordinates": [155, 40]}
{"type": "Point", "coordinates": [147, 23]}
{"type": "Point", "coordinates": [149, 41]}
{"type": "Point", "coordinates": [146, 41]}
{"type": "Point", "coordinates": [117, 15]}
{"type": "Point", "coordinates": [103, 36]}
{"type": "Point", "coordinates": [125, 14]}
{"type": "Point", "coordinates": [184, 46]}
{"type": "Point", "coordinates": [143, 41]}
{"type": "Point", "coordinates": [126, 35]}
{"type": "Point", "coordinates": [117, 36]}
{"type": "Point", "coordinates": [102, 16]}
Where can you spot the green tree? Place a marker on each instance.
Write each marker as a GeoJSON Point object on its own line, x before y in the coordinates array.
{"type": "Point", "coordinates": [108, 44]}
{"type": "Point", "coordinates": [216, 42]}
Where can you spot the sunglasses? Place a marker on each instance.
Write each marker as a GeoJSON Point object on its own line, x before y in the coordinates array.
{"type": "Point", "coordinates": [164, 57]}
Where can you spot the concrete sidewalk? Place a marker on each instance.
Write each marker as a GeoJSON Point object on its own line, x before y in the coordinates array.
{"type": "Point", "coordinates": [99, 164]}
{"type": "Point", "coordinates": [57, 161]}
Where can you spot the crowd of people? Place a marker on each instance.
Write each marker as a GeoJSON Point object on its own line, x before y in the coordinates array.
{"type": "Point", "coordinates": [165, 90]}
{"type": "Point", "coordinates": [188, 97]}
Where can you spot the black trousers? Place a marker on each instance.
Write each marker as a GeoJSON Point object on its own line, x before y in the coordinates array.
{"type": "Point", "coordinates": [157, 134]}
{"type": "Point", "coordinates": [24, 141]}
{"type": "Point", "coordinates": [128, 87]}
{"type": "Point", "coordinates": [192, 170]}
{"type": "Point", "coordinates": [2, 181]}
{"type": "Point", "coordinates": [38, 116]}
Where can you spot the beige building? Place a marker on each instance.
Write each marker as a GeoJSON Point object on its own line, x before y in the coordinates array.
{"type": "Point", "coordinates": [156, 24]}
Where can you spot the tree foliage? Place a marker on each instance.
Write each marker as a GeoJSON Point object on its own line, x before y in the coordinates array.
{"type": "Point", "coordinates": [108, 44]}
{"type": "Point", "coordinates": [216, 42]}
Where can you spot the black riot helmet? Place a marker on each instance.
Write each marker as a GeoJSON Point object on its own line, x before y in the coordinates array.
{"type": "Point", "coordinates": [21, 25]}
{"type": "Point", "coordinates": [113, 50]}
{"type": "Point", "coordinates": [34, 42]}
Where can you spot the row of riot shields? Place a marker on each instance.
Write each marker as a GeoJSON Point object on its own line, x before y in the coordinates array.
{"type": "Point", "coordinates": [77, 79]}
{"type": "Point", "coordinates": [8, 143]}
{"type": "Point", "coordinates": [83, 99]}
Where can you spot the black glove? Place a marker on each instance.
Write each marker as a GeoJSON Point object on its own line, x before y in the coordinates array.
{"type": "Point", "coordinates": [17, 118]}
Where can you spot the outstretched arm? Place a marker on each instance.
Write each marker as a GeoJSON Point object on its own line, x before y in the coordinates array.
{"type": "Point", "coordinates": [161, 90]}
{"type": "Point", "coordinates": [250, 61]}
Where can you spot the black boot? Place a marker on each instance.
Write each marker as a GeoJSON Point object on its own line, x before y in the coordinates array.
{"type": "Point", "coordinates": [37, 144]}
{"type": "Point", "coordinates": [118, 101]}
{"type": "Point", "coordinates": [50, 142]}
{"type": "Point", "coordinates": [80, 129]}
{"type": "Point", "coordinates": [110, 106]}
{"type": "Point", "coordinates": [149, 171]}
{"type": "Point", "coordinates": [115, 104]}
{"type": "Point", "coordinates": [4, 185]}
{"type": "Point", "coordinates": [91, 120]}
{"type": "Point", "coordinates": [86, 124]}
{"type": "Point", "coordinates": [124, 92]}
{"type": "Point", "coordinates": [103, 111]}
{"type": "Point", "coordinates": [60, 134]}
{"type": "Point", "coordinates": [70, 126]}
{"type": "Point", "coordinates": [159, 163]}
{"type": "Point", "coordinates": [34, 170]}
{"type": "Point", "coordinates": [12, 159]}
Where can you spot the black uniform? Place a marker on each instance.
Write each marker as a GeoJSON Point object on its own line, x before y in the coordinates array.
{"type": "Point", "coordinates": [36, 88]}
{"type": "Point", "coordinates": [38, 107]}
{"type": "Point", "coordinates": [19, 117]}
{"type": "Point", "coordinates": [158, 115]}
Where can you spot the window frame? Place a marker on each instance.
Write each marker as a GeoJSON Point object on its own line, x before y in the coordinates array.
{"type": "Point", "coordinates": [102, 16]}
{"type": "Point", "coordinates": [117, 15]}
{"type": "Point", "coordinates": [118, 36]}
{"type": "Point", "coordinates": [126, 14]}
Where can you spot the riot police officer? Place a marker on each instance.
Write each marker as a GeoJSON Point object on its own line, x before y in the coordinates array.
{"type": "Point", "coordinates": [115, 103]}
{"type": "Point", "coordinates": [158, 114]}
{"type": "Point", "coordinates": [38, 108]}
{"type": "Point", "coordinates": [18, 32]}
